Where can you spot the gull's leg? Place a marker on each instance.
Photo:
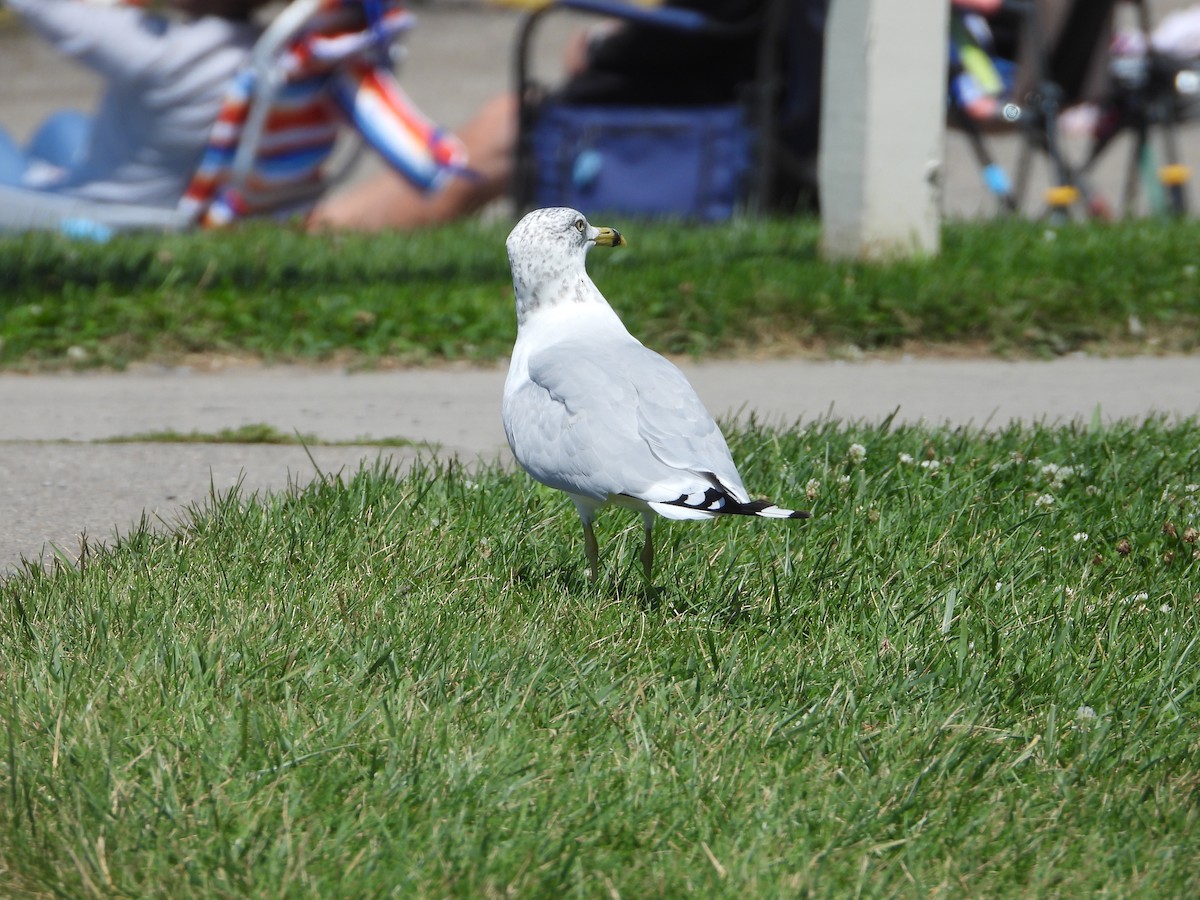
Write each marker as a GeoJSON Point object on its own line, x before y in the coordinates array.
{"type": "Point", "coordinates": [648, 545]}
{"type": "Point", "coordinates": [587, 509]}
{"type": "Point", "coordinates": [592, 549]}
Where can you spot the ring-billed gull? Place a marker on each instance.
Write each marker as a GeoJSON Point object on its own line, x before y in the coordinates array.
{"type": "Point", "coordinates": [590, 411]}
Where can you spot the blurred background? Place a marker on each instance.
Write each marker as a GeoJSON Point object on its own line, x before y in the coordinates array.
{"type": "Point", "coordinates": [461, 54]}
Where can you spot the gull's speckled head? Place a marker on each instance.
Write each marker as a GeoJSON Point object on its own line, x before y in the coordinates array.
{"type": "Point", "coordinates": [546, 251]}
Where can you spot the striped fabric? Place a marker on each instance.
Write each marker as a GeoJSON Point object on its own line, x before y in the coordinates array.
{"type": "Point", "coordinates": [336, 71]}
{"type": "Point", "coordinates": [374, 103]}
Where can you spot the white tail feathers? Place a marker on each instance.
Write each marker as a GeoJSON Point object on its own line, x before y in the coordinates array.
{"type": "Point", "coordinates": [778, 512]}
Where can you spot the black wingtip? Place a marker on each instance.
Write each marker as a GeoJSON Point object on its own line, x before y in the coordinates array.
{"type": "Point", "coordinates": [718, 502]}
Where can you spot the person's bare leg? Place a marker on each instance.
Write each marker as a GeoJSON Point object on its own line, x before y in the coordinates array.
{"type": "Point", "coordinates": [389, 201]}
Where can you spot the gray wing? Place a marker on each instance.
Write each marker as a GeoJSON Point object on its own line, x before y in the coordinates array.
{"type": "Point", "coordinates": [616, 418]}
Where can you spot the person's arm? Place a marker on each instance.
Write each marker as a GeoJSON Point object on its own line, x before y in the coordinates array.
{"type": "Point", "coordinates": [116, 41]}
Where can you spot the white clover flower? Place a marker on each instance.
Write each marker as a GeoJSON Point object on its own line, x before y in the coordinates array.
{"type": "Point", "coordinates": [905, 459]}
{"type": "Point", "coordinates": [1085, 712]}
{"type": "Point", "coordinates": [1165, 608]}
{"type": "Point", "coordinates": [1079, 537]}
{"type": "Point", "coordinates": [812, 489]}
{"type": "Point", "coordinates": [1056, 475]}
{"type": "Point", "coordinates": [998, 586]}
{"type": "Point", "coordinates": [931, 464]}
{"type": "Point", "coordinates": [843, 479]}
{"type": "Point", "coordinates": [1044, 501]}
{"type": "Point", "coordinates": [1091, 490]}
{"type": "Point", "coordinates": [857, 453]}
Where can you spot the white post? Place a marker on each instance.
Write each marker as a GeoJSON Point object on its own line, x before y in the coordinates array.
{"type": "Point", "coordinates": [883, 113]}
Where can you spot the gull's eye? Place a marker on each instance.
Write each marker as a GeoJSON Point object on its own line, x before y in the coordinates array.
{"type": "Point", "coordinates": [579, 225]}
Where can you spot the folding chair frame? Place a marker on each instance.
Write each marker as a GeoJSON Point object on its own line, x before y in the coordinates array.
{"type": "Point", "coordinates": [767, 156]}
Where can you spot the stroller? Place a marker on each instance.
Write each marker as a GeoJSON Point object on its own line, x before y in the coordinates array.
{"type": "Point", "coordinates": [319, 66]}
{"type": "Point", "coordinates": [1003, 58]}
{"type": "Point", "coordinates": [1030, 79]}
{"type": "Point", "coordinates": [1151, 91]}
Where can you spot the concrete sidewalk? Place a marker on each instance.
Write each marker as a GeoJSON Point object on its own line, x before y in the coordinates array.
{"type": "Point", "coordinates": [56, 484]}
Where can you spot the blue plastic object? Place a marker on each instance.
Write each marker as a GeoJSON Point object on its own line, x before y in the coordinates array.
{"type": "Point", "coordinates": [588, 165]}
{"type": "Point", "coordinates": [996, 180]}
{"type": "Point", "coordinates": [86, 230]}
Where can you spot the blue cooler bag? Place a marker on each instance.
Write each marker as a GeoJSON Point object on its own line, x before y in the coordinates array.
{"type": "Point", "coordinates": [690, 163]}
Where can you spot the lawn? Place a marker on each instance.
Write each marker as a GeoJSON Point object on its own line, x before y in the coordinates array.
{"type": "Point", "coordinates": [973, 672]}
{"type": "Point", "coordinates": [1014, 288]}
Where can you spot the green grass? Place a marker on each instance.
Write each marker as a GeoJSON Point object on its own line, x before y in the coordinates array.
{"type": "Point", "coordinates": [279, 295]}
{"type": "Point", "coordinates": [251, 433]}
{"type": "Point", "coordinates": [254, 433]}
{"type": "Point", "coordinates": [403, 685]}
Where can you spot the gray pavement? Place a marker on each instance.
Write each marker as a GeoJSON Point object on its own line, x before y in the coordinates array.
{"type": "Point", "coordinates": [56, 483]}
